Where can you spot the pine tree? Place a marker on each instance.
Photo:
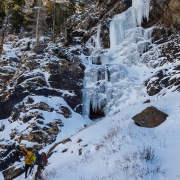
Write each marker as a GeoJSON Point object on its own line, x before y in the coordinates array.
{"type": "Point", "coordinates": [5, 6]}
{"type": "Point", "coordinates": [57, 14]}
{"type": "Point", "coordinates": [16, 19]}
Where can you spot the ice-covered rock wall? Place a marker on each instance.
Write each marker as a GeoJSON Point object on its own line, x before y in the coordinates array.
{"type": "Point", "coordinates": [130, 19]}
{"type": "Point", "coordinates": [110, 78]}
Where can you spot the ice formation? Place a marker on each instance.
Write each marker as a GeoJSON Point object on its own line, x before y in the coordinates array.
{"type": "Point", "coordinates": [109, 79]}
{"type": "Point", "coordinates": [128, 20]}
{"type": "Point", "coordinates": [96, 38]}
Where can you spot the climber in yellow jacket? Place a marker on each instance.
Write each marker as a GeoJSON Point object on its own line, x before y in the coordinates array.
{"type": "Point", "coordinates": [29, 159]}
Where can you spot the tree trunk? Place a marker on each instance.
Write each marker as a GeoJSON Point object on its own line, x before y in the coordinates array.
{"type": "Point", "coordinates": [2, 33]}
{"type": "Point", "coordinates": [54, 19]}
{"type": "Point", "coordinates": [1, 41]}
{"type": "Point", "coordinates": [3, 30]}
{"type": "Point", "coordinates": [37, 27]}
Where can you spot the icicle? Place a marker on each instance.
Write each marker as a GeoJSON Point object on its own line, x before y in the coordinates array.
{"type": "Point", "coordinates": [136, 3]}
{"type": "Point", "coordinates": [113, 38]}
{"type": "Point", "coordinates": [146, 9]}
{"type": "Point", "coordinates": [86, 102]}
{"type": "Point", "coordinates": [106, 74]}
{"type": "Point", "coordinates": [148, 34]}
{"type": "Point", "coordinates": [98, 42]}
{"type": "Point", "coordinates": [109, 95]}
{"type": "Point", "coordinates": [95, 75]}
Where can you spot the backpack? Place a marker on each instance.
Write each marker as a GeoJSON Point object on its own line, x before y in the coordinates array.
{"type": "Point", "coordinates": [44, 159]}
{"type": "Point", "coordinates": [33, 159]}
{"type": "Point", "coordinates": [38, 158]}
{"type": "Point", "coordinates": [30, 158]}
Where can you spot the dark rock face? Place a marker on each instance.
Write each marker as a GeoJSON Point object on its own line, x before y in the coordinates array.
{"type": "Point", "coordinates": [8, 155]}
{"type": "Point", "coordinates": [40, 48]}
{"type": "Point", "coordinates": [64, 53]}
{"type": "Point", "coordinates": [103, 12]}
{"type": "Point", "coordinates": [150, 117]}
{"type": "Point", "coordinates": [34, 74]}
{"type": "Point", "coordinates": [12, 173]}
{"type": "Point", "coordinates": [167, 78]}
{"type": "Point", "coordinates": [62, 76]}
{"type": "Point", "coordinates": [109, 9]}
{"type": "Point", "coordinates": [167, 45]}
{"type": "Point", "coordinates": [164, 12]}
{"type": "Point", "coordinates": [6, 75]}
{"type": "Point", "coordinates": [153, 86]}
{"type": "Point", "coordinates": [65, 111]}
{"type": "Point", "coordinates": [147, 101]}
{"type": "Point", "coordinates": [42, 106]}
{"type": "Point", "coordinates": [96, 114]}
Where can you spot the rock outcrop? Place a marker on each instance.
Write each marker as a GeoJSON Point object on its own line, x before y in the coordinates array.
{"type": "Point", "coordinates": [31, 80]}
{"type": "Point", "coordinates": [150, 117]}
{"type": "Point", "coordinates": [99, 15]}
{"type": "Point", "coordinates": [164, 18]}
{"type": "Point", "coordinates": [12, 173]}
{"type": "Point", "coordinates": [164, 79]}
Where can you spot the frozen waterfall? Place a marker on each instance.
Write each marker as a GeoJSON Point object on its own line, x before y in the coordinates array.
{"type": "Point", "coordinates": [110, 78]}
{"type": "Point", "coordinates": [128, 20]}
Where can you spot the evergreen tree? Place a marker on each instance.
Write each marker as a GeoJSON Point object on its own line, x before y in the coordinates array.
{"type": "Point", "coordinates": [5, 6]}
{"type": "Point", "coordinates": [58, 13]}
{"type": "Point", "coordinates": [16, 19]}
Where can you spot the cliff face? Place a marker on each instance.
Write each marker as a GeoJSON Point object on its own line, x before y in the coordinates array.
{"type": "Point", "coordinates": [38, 92]}
{"type": "Point", "coordinates": [164, 17]}
{"type": "Point", "coordinates": [89, 21]}
{"type": "Point", "coordinates": [164, 13]}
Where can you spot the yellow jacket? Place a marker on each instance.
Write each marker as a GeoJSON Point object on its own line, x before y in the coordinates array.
{"type": "Point", "coordinates": [30, 157]}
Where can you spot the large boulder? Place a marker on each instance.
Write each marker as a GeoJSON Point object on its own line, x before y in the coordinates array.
{"type": "Point", "coordinates": [150, 117]}
{"type": "Point", "coordinates": [12, 173]}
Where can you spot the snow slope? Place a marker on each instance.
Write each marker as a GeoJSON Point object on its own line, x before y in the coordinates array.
{"type": "Point", "coordinates": [116, 148]}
